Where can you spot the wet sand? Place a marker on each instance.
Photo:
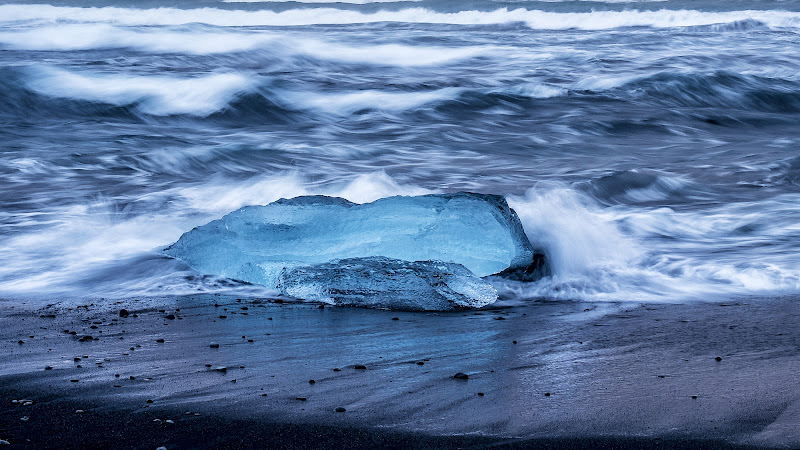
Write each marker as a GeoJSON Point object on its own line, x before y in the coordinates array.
{"type": "Point", "coordinates": [548, 374]}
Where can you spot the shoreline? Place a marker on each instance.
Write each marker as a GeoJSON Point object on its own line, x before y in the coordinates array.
{"type": "Point", "coordinates": [551, 374]}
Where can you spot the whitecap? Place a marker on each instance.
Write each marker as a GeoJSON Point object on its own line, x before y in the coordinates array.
{"type": "Point", "coordinates": [156, 95]}
{"type": "Point", "coordinates": [535, 19]}
{"type": "Point", "coordinates": [344, 103]}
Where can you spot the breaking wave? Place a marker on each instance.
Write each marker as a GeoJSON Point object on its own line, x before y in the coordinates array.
{"type": "Point", "coordinates": [535, 19]}
{"type": "Point", "coordinates": [44, 89]}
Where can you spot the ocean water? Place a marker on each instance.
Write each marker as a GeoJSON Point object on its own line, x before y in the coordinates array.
{"type": "Point", "coordinates": [651, 148]}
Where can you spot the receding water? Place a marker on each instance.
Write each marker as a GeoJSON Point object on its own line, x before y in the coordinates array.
{"type": "Point", "coordinates": [651, 148]}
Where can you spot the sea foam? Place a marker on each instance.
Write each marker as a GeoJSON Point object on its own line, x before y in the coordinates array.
{"type": "Point", "coordinates": [535, 19]}
{"type": "Point", "coordinates": [157, 95]}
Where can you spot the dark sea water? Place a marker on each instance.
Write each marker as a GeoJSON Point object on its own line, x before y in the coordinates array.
{"type": "Point", "coordinates": [651, 148]}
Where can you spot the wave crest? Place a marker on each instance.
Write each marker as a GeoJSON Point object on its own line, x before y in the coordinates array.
{"type": "Point", "coordinates": [535, 19]}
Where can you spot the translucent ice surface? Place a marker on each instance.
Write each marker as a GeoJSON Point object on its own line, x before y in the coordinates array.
{"type": "Point", "coordinates": [379, 282]}
{"type": "Point", "coordinates": [256, 243]}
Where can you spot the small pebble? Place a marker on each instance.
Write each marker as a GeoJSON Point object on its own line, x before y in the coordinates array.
{"type": "Point", "coordinates": [24, 418]}
{"type": "Point", "coordinates": [74, 381]}
{"type": "Point", "coordinates": [420, 363]}
{"type": "Point", "coordinates": [694, 397]}
{"type": "Point", "coordinates": [547, 394]}
{"type": "Point", "coordinates": [170, 317]}
{"type": "Point", "coordinates": [149, 401]}
{"type": "Point", "coordinates": [160, 341]}
{"type": "Point", "coordinates": [480, 394]}
{"type": "Point", "coordinates": [395, 318]}
{"type": "Point", "coordinates": [162, 448]}
{"type": "Point", "coordinates": [20, 341]}
{"type": "Point", "coordinates": [311, 381]}
{"type": "Point", "coordinates": [340, 409]}
{"type": "Point", "coordinates": [123, 312]}
{"type": "Point", "coordinates": [214, 345]}
{"type": "Point", "coordinates": [79, 411]}
{"type": "Point", "coordinates": [169, 421]}
{"type": "Point", "coordinates": [359, 367]}
{"type": "Point", "coordinates": [718, 358]}
{"type": "Point", "coordinates": [302, 399]}
{"type": "Point", "coordinates": [461, 376]}
{"type": "Point", "coordinates": [48, 368]}
{"type": "Point", "coordinates": [221, 369]}
{"type": "Point", "coordinates": [336, 369]}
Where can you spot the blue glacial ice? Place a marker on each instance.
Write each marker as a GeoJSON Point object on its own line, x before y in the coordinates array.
{"type": "Point", "coordinates": [259, 243]}
{"type": "Point", "coordinates": [380, 282]}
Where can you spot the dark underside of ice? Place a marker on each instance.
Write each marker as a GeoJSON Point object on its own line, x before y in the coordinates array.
{"type": "Point", "coordinates": [318, 239]}
{"type": "Point", "coordinates": [380, 282]}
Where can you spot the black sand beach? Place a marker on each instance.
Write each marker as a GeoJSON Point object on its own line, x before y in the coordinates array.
{"type": "Point", "coordinates": [546, 375]}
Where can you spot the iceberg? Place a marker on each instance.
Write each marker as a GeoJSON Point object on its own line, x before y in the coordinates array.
{"type": "Point", "coordinates": [263, 244]}
{"type": "Point", "coordinates": [379, 282]}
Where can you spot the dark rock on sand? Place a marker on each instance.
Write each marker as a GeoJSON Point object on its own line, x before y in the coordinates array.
{"type": "Point", "coordinates": [535, 271]}
{"type": "Point", "coordinates": [461, 376]}
{"type": "Point", "coordinates": [360, 367]}
{"type": "Point", "coordinates": [123, 312]}
{"type": "Point", "coordinates": [340, 409]}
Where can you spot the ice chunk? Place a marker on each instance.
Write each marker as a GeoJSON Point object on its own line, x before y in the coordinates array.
{"type": "Point", "coordinates": [379, 282]}
{"type": "Point", "coordinates": [255, 243]}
